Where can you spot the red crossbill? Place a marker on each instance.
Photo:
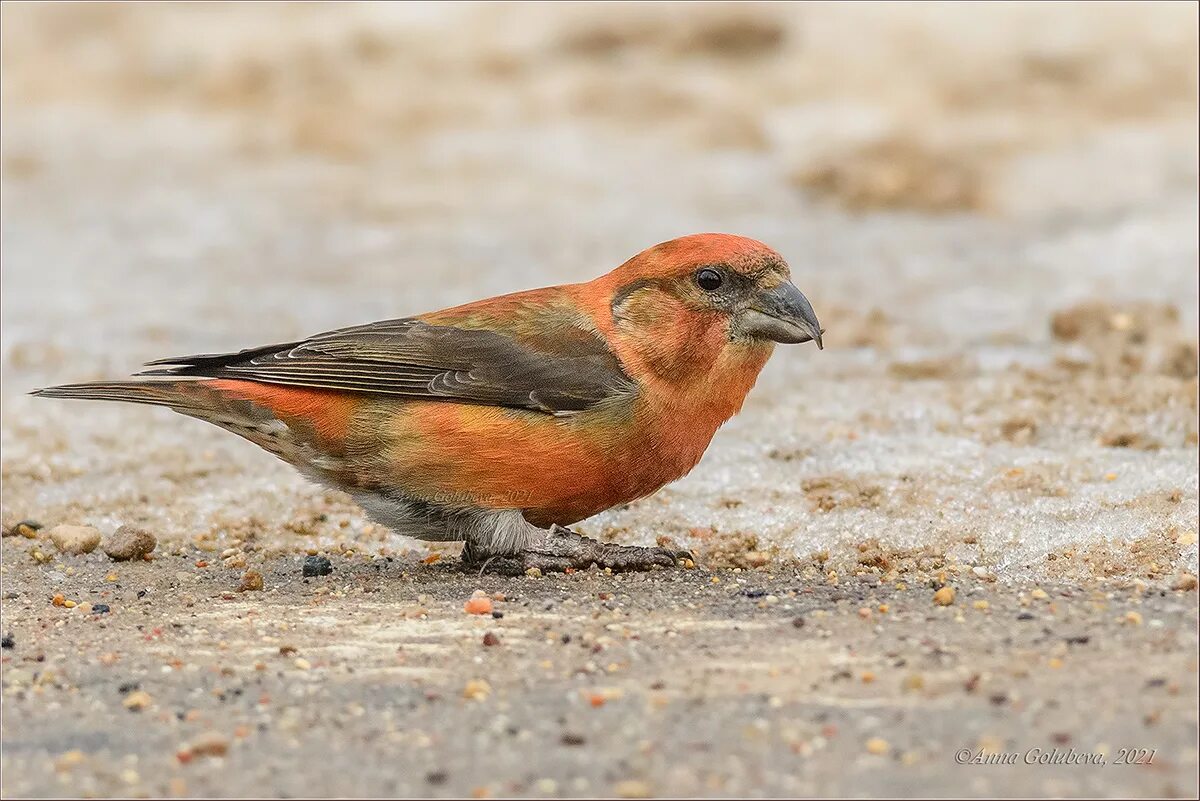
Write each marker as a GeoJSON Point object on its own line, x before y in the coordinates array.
{"type": "Point", "coordinates": [501, 421]}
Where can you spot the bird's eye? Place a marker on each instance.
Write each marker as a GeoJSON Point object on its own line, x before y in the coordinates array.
{"type": "Point", "coordinates": [708, 279]}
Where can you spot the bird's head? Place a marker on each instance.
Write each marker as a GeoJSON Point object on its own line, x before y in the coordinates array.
{"type": "Point", "coordinates": [699, 296]}
{"type": "Point", "coordinates": [701, 301]}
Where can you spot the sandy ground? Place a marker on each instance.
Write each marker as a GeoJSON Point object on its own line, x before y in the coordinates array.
{"type": "Point", "coordinates": [992, 208]}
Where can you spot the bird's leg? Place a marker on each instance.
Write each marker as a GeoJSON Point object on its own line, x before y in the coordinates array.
{"type": "Point", "coordinates": [561, 549]}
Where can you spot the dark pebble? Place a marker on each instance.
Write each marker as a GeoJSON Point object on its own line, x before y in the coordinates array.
{"type": "Point", "coordinates": [497, 615]}
{"type": "Point", "coordinates": [100, 609]}
{"type": "Point", "coordinates": [571, 738]}
{"type": "Point", "coordinates": [755, 593]}
{"type": "Point", "coordinates": [128, 687]}
{"type": "Point", "coordinates": [798, 622]}
{"type": "Point", "coordinates": [8, 642]}
{"type": "Point", "coordinates": [1025, 616]}
{"type": "Point", "coordinates": [491, 639]}
{"type": "Point", "coordinates": [317, 566]}
{"type": "Point", "coordinates": [437, 777]}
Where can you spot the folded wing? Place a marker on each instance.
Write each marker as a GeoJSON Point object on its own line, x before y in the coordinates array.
{"type": "Point", "coordinates": [412, 358]}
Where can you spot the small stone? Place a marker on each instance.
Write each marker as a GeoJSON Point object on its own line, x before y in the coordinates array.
{"type": "Point", "coordinates": [756, 558]}
{"type": "Point", "coordinates": [1185, 582]}
{"type": "Point", "coordinates": [137, 701]}
{"type": "Point", "coordinates": [100, 609]}
{"type": "Point", "coordinates": [85, 607]}
{"type": "Point", "coordinates": [981, 605]}
{"type": "Point", "coordinates": [8, 642]}
{"type": "Point", "coordinates": [533, 572]}
{"type": "Point", "coordinates": [491, 639]}
{"type": "Point", "coordinates": [478, 606]}
{"type": "Point", "coordinates": [632, 788]}
{"type": "Point", "coordinates": [252, 581]}
{"type": "Point", "coordinates": [69, 760]}
{"type": "Point", "coordinates": [477, 690]}
{"type": "Point", "coordinates": [1038, 594]}
{"type": "Point", "coordinates": [301, 663]}
{"type": "Point", "coordinates": [26, 528]}
{"type": "Point", "coordinates": [317, 566]}
{"type": "Point", "coordinates": [944, 596]}
{"type": "Point", "coordinates": [210, 743]}
{"type": "Point", "coordinates": [877, 746]}
{"type": "Point", "coordinates": [128, 543]}
{"type": "Point", "coordinates": [75, 539]}
{"type": "Point", "coordinates": [1133, 619]}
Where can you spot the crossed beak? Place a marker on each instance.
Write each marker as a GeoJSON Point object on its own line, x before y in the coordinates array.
{"type": "Point", "coordinates": [783, 315]}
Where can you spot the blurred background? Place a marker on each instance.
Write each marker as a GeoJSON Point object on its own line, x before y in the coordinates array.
{"type": "Point", "coordinates": [992, 206]}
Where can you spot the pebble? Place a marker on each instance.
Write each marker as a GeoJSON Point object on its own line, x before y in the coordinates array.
{"type": "Point", "coordinates": [252, 581]}
{"type": "Point", "coordinates": [477, 690]}
{"type": "Point", "coordinates": [1185, 582]}
{"type": "Point", "coordinates": [632, 788]}
{"type": "Point", "coordinates": [69, 760]}
{"type": "Point", "coordinates": [877, 746]}
{"type": "Point", "coordinates": [100, 609]}
{"type": "Point", "coordinates": [75, 539]}
{"type": "Point", "coordinates": [210, 743]}
{"type": "Point", "coordinates": [1133, 618]}
{"type": "Point", "coordinates": [26, 528]}
{"type": "Point", "coordinates": [317, 566]}
{"type": "Point", "coordinates": [128, 543]}
{"type": "Point", "coordinates": [8, 642]}
{"type": "Point", "coordinates": [478, 606]}
{"type": "Point", "coordinates": [137, 701]}
{"type": "Point", "coordinates": [944, 596]}
{"type": "Point", "coordinates": [490, 639]}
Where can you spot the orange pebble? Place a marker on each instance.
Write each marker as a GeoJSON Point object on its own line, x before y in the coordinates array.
{"type": "Point", "coordinates": [478, 606]}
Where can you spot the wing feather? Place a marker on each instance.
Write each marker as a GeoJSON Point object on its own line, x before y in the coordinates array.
{"type": "Point", "coordinates": [412, 358]}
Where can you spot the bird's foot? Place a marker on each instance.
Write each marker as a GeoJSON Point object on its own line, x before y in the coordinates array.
{"type": "Point", "coordinates": [562, 550]}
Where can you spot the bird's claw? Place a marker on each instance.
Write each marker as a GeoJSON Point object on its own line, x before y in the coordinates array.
{"type": "Point", "coordinates": [563, 550]}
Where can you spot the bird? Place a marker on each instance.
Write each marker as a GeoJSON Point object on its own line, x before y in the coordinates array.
{"type": "Point", "coordinates": [502, 422]}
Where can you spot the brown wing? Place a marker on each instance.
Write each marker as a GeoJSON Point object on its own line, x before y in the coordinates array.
{"type": "Point", "coordinates": [412, 358]}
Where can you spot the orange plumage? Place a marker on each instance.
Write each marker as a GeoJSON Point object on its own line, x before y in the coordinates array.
{"type": "Point", "coordinates": [494, 420]}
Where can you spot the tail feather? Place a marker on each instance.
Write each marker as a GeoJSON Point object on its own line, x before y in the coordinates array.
{"type": "Point", "coordinates": [294, 441]}
{"type": "Point", "coordinates": [181, 395]}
